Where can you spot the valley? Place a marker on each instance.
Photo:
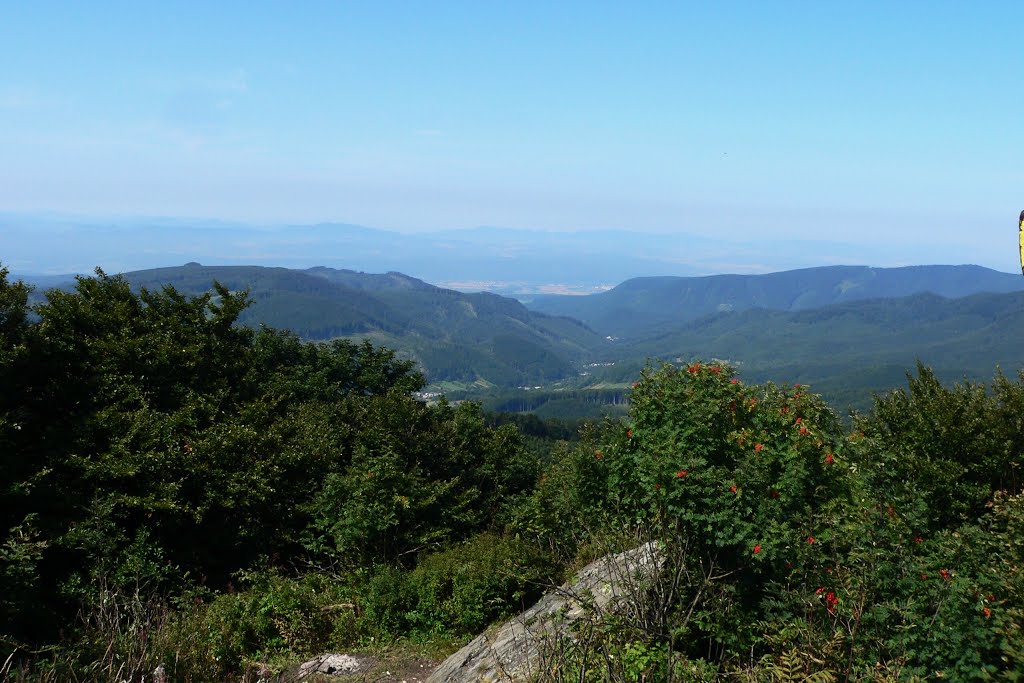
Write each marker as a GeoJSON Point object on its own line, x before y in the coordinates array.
{"type": "Point", "coordinates": [848, 331]}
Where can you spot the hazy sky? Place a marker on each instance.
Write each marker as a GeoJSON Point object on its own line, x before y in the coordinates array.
{"type": "Point", "coordinates": [879, 121]}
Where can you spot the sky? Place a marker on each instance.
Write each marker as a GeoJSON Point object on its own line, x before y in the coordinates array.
{"type": "Point", "coordinates": [872, 122]}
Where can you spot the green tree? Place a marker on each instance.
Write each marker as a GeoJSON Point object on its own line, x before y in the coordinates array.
{"type": "Point", "coordinates": [420, 477]}
{"type": "Point", "coordinates": [21, 547]}
{"type": "Point", "coordinates": [149, 438]}
{"type": "Point", "coordinates": [945, 449]}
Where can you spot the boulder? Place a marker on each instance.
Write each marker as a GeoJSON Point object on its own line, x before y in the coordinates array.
{"type": "Point", "coordinates": [517, 649]}
{"type": "Point", "coordinates": [334, 665]}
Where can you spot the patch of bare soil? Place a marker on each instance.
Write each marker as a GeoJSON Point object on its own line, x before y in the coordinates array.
{"type": "Point", "coordinates": [409, 671]}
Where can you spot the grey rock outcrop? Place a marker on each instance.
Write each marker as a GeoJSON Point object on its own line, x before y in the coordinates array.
{"type": "Point", "coordinates": [516, 650]}
{"type": "Point", "coordinates": [334, 665]}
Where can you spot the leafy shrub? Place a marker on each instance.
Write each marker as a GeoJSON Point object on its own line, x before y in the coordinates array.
{"type": "Point", "coordinates": [947, 448]}
{"type": "Point", "coordinates": [384, 602]}
{"type": "Point", "coordinates": [456, 592]}
{"type": "Point", "coordinates": [200, 637]}
{"type": "Point", "coordinates": [419, 477]}
{"type": "Point", "coordinates": [272, 617]}
{"type": "Point", "coordinates": [460, 591]}
{"type": "Point", "coordinates": [791, 543]}
{"type": "Point", "coordinates": [744, 482]}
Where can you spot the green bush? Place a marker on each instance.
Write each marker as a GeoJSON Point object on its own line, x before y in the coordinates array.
{"type": "Point", "coordinates": [454, 593]}
{"type": "Point", "coordinates": [269, 618]}
{"type": "Point", "coordinates": [791, 543]}
{"type": "Point", "coordinates": [742, 482]}
{"type": "Point", "coordinates": [947, 448]}
{"type": "Point", "coordinates": [460, 591]}
{"type": "Point", "coordinates": [384, 602]}
{"type": "Point", "coordinates": [419, 477]}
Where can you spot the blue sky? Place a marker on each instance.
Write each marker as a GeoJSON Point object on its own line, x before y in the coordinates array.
{"type": "Point", "coordinates": [870, 122]}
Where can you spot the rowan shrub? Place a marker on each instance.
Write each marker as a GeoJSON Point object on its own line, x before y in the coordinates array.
{"type": "Point", "coordinates": [790, 540]}
{"type": "Point", "coordinates": [744, 481]}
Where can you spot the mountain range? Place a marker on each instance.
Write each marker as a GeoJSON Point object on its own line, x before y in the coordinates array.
{"type": "Point", "coordinates": [846, 330]}
{"type": "Point", "coordinates": [457, 337]}
{"type": "Point", "coordinates": [501, 260]}
{"type": "Point", "coordinates": [644, 305]}
{"type": "Point", "coordinates": [848, 350]}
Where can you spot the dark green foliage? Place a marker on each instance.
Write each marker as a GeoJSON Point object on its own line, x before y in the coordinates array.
{"type": "Point", "coordinates": [457, 592]}
{"type": "Point", "coordinates": [419, 477]}
{"type": "Point", "coordinates": [462, 590]}
{"type": "Point", "coordinates": [179, 487]}
{"type": "Point", "coordinates": [948, 447]}
{"type": "Point", "coordinates": [152, 442]}
{"type": "Point", "coordinates": [560, 404]}
{"type": "Point", "coordinates": [21, 546]}
{"type": "Point", "coordinates": [532, 426]}
{"type": "Point", "coordinates": [794, 546]}
{"type": "Point", "coordinates": [269, 616]}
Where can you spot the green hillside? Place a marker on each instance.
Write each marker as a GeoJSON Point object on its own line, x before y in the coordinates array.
{"type": "Point", "coordinates": [847, 351]}
{"type": "Point", "coordinates": [482, 345]}
{"type": "Point", "coordinates": [641, 305]}
{"type": "Point", "coordinates": [453, 336]}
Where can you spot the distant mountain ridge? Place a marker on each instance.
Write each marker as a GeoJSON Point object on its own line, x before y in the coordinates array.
{"type": "Point", "coordinates": [391, 280]}
{"type": "Point", "coordinates": [641, 306]}
{"type": "Point", "coordinates": [505, 261]}
{"type": "Point", "coordinates": [848, 331]}
{"type": "Point", "coordinates": [454, 336]}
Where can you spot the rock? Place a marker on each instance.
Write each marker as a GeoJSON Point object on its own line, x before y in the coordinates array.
{"type": "Point", "coordinates": [334, 665]}
{"type": "Point", "coordinates": [514, 650]}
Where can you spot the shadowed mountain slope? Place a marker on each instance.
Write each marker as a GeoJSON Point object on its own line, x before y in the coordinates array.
{"type": "Point", "coordinates": [455, 336]}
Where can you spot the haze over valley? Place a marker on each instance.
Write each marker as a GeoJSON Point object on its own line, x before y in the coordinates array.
{"type": "Point", "coordinates": [515, 262]}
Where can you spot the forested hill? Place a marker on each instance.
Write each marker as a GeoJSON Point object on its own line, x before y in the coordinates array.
{"type": "Point", "coordinates": [847, 351]}
{"type": "Point", "coordinates": [642, 305]}
{"type": "Point", "coordinates": [453, 336]}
